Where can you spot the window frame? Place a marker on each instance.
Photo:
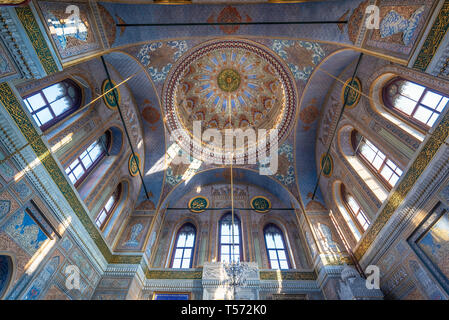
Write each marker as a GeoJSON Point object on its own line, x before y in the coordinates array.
{"type": "Point", "coordinates": [283, 242]}
{"type": "Point", "coordinates": [239, 224]}
{"type": "Point", "coordinates": [104, 153]}
{"type": "Point", "coordinates": [175, 246]}
{"type": "Point", "coordinates": [79, 95]}
{"type": "Point", "coordinates": [369, 165]}
{"type": "Point", "coordinates": [110, 211]}
{"type": "Point", "coordinates": [353, 215]}
{"type": "Point", "coordinates": [410, 118]}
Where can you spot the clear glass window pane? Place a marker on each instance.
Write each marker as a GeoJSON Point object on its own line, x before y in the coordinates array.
{"type": "Point", "coordinates": [431, 99]}
{"type": "Point", "coordinates": [190, 240]}
{"type": "Point", "coordinates": [368, 153]}
{"type": "Point", "coordinates": [78, 172]}
{"type": "Point", "coordinates": [386, 172]}
{"type": "Point", "coordinates": [36, 101]}
{"type": "Point", "coordinates": [110, 203]}
{"type": "Point", "coordinates": [177, 263]}
{"type": "Point", "coordinates": [274, 264]}
{"type": "Point", "coordinates": [54, 92]}
{"type": "Point", "coordinates": [44, 116]}
{"type": "Point", "coordinates": [283, 265]}
{"type": "Point", "coordinates": [412, 90]}
{"type": "Point", "coordinates": [178, 253]}
{"type": "Point", "coordinates": [270, 241]}
{"type": "Point", "coordinates": [423, 114]}
{"type": "Point", "coordinates": [442, 104]}
{"type": "Point", "coordinates": [281, 254]}
{"type": "Point", "coordinates": [185, 263]}
{"type": "Point", "coordinates": [393, 180]}
{"type": "Point", "coordinates": [377, 163]}
{"type": "Point", "coordinates": [187, 253]}
{"type": "Point", "coordinates": [278, 241]}
{"type": "Point", "coordinates": [433, 119]}
{"type": "Point", "coordinates": [60, 106]}
{"type": "Point", "coordinates": [404, 104]}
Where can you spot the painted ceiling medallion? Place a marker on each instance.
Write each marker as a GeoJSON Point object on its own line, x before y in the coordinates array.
{"type": "Point", "coordinates": [223, 79]}
{"type": "Point", "coordinates": [109, 97]}
{"type": "Point", "coordinates": [328, 164]}
{"type": "Point", "coordinates": [228, 80]}
{"type": "Point", "coordinates": [354, 93]}
{"type": "Point", "coordinates": [261, 204]}
{"type": "Point", "coordinates": [133, 165]}
{"type": "Point", "coordinates": [198, 204]}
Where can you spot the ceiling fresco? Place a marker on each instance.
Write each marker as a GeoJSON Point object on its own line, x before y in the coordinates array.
{"type": "Point", "coordinates": [268, 77]}
{"type": "Point", "coordinates": [229, 84]}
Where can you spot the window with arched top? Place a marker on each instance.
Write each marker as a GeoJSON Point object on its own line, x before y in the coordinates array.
{"type": "Point", "coordinates": [357, 215]}
{"type": "Point", "coordinates": [184, 247]}
{"type": "Point", "coordinates": [53, 103]}
{"type": "Point", "coordinates": [414, 102]}
{"type": "Point", "coordinates": [229, 249]}
{"type": "Point", "coordinates": [80, 168]}
{"type": "Point", "coordinates": [276, 248]}
{"type": "Point", "coordinates": [381, 165]}
{"type": "Point", "coordinates": [5, 273]}
{"type": "Point", "coordinates": [109, 207]}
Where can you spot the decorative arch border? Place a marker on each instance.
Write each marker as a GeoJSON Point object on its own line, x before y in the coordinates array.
{"type": "Point", "coordinates": [11, 275]}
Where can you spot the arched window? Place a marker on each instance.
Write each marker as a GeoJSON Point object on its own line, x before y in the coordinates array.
{"type": "Point", "coordinates": [276, 249]}
{"type": "Point", "coordinates": [386, 169]}
{"type": "Point", "coordinates": [5, 273]}
{"type": "Point", "coordinates": [53, 103]}
{"type": "Point", "coordinates": [184, 247]}
{"type": "Point", "coordinates": [78, 170]}
{"type": "Point", "coordinates": [108, 208]}
{"type": "Point", "coordinates": [414, 102]}
{"type": "Point", "coordinates": [230, 251]}
{"type": "Point", "coordinates": [355, 210]}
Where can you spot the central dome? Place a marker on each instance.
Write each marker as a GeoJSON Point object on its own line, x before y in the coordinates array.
{"type": "Point", "coordinates": [228, 84]}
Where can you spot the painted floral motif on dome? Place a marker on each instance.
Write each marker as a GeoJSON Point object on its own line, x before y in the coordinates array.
{"type": "Point", "coordinates": [286, 170]}
{"type": "Point", "coordinates": [159, 57]}
{"type": "Point", "coordinates": [180, 166]}
{"type": "Point", "coordinates": [301, 56]}
{"type": "Point", "coordinates": [228, 84]}
{"type": "Point", "coordinates": [229, 15]}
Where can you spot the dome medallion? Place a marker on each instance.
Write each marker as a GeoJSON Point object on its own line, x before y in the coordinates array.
{"type": "Point", "coordinates": [229, 84]}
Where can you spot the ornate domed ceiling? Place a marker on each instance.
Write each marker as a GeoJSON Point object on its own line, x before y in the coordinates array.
{"type": "Point", "coordinates": [228, 84]}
